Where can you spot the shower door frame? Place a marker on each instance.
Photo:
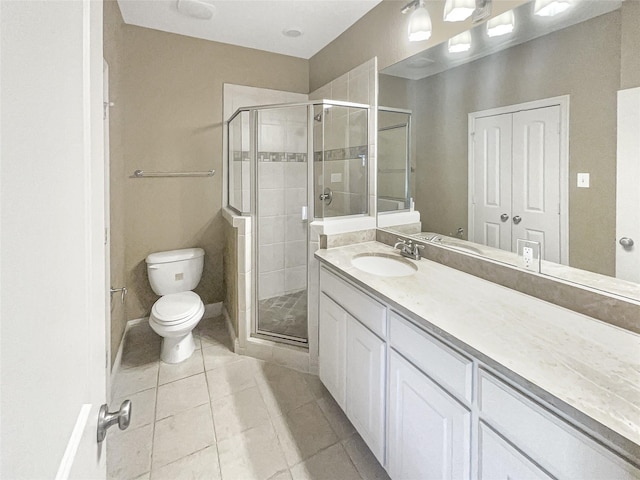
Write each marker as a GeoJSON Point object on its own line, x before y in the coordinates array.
{"type": "Point", "coordinates": [255, 215]}
{"type": "Point", "coordinates": [254, 208]}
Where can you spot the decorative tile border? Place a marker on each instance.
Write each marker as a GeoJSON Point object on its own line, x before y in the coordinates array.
{"type": "Point", "coordinates": [243, 156]}
{"type": "Point", "coordinates": [342, 153]}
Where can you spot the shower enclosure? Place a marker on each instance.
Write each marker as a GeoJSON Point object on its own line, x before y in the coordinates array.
{"type": "Point", "coordinates": [289, 165]}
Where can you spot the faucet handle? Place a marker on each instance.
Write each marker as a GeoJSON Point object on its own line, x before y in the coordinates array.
{"type": "Point", "coordinates": [399, 242]}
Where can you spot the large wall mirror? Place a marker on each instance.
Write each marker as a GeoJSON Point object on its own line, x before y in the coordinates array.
{"type": "Point", "coordinates": [518, 137]}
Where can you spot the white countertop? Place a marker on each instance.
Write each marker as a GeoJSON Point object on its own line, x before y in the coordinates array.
{"type": "Point", "coordinates": [591, 366]}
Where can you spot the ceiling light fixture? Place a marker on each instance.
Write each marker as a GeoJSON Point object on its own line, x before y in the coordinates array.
{"type": "Point", "coordinates": [292, 32]}
{"type": "Point", "coordinates": [501, 25]}
{"type": "Point", "coordinates": [458, 10]}
{"type": "Point", "coordinates": [460, 43]}
{"type": "Point", "coordinates": [549, 8]}
{"type": "Point", "coordinates": [196, 9]}
{"type": "Point", "coordinates": [419, 21]}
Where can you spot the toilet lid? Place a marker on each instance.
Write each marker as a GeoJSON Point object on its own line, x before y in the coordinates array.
{"type": "Point", "coordinates": [175, 307]}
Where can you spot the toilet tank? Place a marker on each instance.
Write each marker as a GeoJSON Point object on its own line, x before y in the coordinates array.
{"type": "Point", "coordinates": [175, 271]}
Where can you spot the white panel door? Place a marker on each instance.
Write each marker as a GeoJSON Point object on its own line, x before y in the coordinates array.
{"type": "Point", "coordinates": [628, 182]}
{"type": "Point", "coordinates": [366, 385]}
{"type": "Point", "coordinates": [429, 431]}
{"type": "Point", "coordinates": [535, 212]}
{"type": "Point", "coordinates": [332, 344]}
{"type": "Point", "coordinates": [501, 461]}
{"type": "Point", "coordinates": [491, 194]}
{"type": "Point", "coordinates": [52, 261]}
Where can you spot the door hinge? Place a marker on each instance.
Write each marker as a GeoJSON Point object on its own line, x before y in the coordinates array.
{"type": "Point", "coordinates": [106, 236]}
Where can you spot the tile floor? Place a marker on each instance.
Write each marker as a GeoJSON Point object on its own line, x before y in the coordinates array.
{"type": "Point", "coordinates": [223, 416]}
{"type": "Point", "coordinates": [285, 314]}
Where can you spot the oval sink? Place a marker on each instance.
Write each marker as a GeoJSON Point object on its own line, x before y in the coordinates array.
{"type": "Point", "coordinates": [383, 265]}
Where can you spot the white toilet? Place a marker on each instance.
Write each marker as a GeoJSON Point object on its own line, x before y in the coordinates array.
{"type": "Point", "coordinates": [173, 275]}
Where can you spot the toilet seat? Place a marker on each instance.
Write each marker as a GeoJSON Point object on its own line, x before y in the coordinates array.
{"type": "Point", "coordinates": [176, 308]}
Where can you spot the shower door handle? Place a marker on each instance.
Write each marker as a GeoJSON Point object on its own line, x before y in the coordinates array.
{"type": "Point", "coordinates": [327, 196]}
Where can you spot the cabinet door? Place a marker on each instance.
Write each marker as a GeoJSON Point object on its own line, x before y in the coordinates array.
{"type": "Point", "coordinates": [501, 461]}
{"type": "Point", "coordinates": [366, 385]}
{"type": "Point", "coordinates": [332, 341]}
{"type": "Point", "coordinates": [429, 431]}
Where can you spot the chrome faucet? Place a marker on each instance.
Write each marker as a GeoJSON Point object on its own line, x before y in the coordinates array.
{"type": "Point", "coordinates": [409, 249]}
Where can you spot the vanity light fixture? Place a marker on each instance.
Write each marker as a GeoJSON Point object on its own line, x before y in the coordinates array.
{"type": "Point", "coordinates": [501, 25]}
{"type": "Point", "coordinates": [419, 21]}
{"type": "Point", "coordinates": [460, 43]}
{"type": "Point", "coordinates": [549, 8]}
{"type": "Point", "coordinates": [458, 10]}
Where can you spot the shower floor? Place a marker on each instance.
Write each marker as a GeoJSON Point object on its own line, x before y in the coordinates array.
{"type": "Point", "coordinates": [284, 315]}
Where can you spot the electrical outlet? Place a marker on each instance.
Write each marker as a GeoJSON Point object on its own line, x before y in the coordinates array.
{"type": "Point", "coordinates": [529, 254]}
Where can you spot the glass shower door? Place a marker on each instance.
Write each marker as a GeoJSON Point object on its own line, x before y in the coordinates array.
{"type": "Point", "coordinates": [281, 223]}
{"type": "Point", "coordinates": [341, 146]}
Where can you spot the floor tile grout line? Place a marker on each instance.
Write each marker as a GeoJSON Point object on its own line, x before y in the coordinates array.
{"type": "Point", "coordinates": [153, 429]}
{"type": "Point", "coordinates": [213, 423]}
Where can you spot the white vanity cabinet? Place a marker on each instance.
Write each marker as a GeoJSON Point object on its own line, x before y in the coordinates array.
{"type": "Point", "coordinates": [501, 461]}
{"type": "Point", "coordinates": [332, 338]}
{"type": "Point", "coordinates": [366, 385]}
{"type": "Point", "coordinates": [429, 431]}
{"type": "Point", "coordinates": [541, 436]}
{"type": "Point", "coordinates": [352, 356]}
{"type": "Point", "coordinates": [429, 410]}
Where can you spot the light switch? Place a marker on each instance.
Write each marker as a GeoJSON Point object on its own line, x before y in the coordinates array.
{"type": "Point", "coordinates": [583, 180]}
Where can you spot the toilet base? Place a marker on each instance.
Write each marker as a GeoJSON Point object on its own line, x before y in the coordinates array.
{"type": "Point", "coordinates": [177, 349]}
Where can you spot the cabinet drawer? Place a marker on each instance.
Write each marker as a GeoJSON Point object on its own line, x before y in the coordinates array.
{"type": "Point", "coordinates": [450, 369]}
{"type": "Point", "coordinates": [360, 305]}
{"type": "Point", "coordinates": [548, 440]}
{"type": "Point", "coordinates": [500, 460]}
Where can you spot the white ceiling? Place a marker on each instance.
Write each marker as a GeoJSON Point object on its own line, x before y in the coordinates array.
{"type": "Point", "coordinates": [255, 23]}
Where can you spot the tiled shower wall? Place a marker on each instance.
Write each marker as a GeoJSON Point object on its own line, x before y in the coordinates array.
{"type": "Point", "coordinates": [282, 194]}
{"type": "Point", "coordinates": [345, 130]}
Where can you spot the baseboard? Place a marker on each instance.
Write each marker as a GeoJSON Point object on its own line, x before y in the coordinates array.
{"type": "Point", "coordinates": [117, 363]}
{"type": "Point", "coordinates": [212, 310]}
{"type": "Point", "coordinates": [229, 324]}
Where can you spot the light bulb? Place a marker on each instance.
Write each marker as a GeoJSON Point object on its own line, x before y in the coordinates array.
{"type": "Point", "coordinates": [419, 24]}
{"type": "Point", "coordinates": [501, 25]}
{"type": "Point", "coordinates": [458, 10]}
{"type": "Point", "coordinates": [460, 43]}
{"type": "Point", "coordinates": [549, 8]}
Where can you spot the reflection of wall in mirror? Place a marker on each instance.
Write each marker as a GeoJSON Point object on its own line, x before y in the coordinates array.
{"type": "Point", "coordinates": [582, 61]}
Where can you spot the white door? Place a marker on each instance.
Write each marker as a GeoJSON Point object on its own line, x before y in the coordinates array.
{"type": "Point", "coordinates": [491, 194]}
{"type": "Point", "coordinates": [332, 344]}
{"type": "Point", "coordinates": [515, 175]}
{"type": "Point", "coordinates": [429, 431]}
{"type": "Point", "coordinates": [628, 186]}
{"type": "Point", "coordinates": [366, 386]}
{"type": "Point", "coordinates": [535, 212]}
{"type": "Point", "coordinates": [498, 460]}
{"type": "Point", "coordinates": [52, 297]}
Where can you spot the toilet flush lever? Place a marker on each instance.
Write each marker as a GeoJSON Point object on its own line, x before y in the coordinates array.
{"type": "Point", "coordinates": [107, 419]}
{"type": "Point", "coordinates": [123, 292]}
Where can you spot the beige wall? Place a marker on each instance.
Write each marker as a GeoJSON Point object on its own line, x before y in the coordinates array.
{"type": "Point", "coordinates": [630, 57]}
{"type": "Point", "coordinates": [582, 61]}
{"type": "Point", "coordinates": [383, 33]}
{"type": "Point", "coordinates": [169, 103]}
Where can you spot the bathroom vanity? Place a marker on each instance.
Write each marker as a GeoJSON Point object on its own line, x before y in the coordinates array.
{"type": "Point", "coordinates": [446, 375]}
